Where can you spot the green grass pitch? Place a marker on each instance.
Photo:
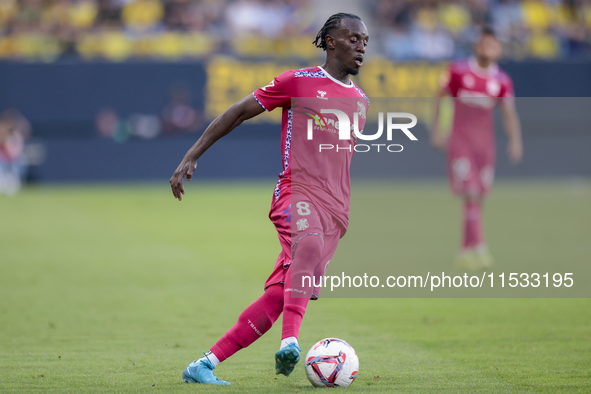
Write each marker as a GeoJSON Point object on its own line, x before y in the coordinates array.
{"type": "Point", "coordinates": [117, 288]}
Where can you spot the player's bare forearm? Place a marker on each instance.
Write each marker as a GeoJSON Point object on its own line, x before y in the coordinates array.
{"type": "Point", "coordinates": [437, 140]}
{"type": "Point", "coordinates": [245, 109]}
{"type": "Point", "coordinates": [512, 127]}
{"type": "Point", "coordinates": [511, 121]}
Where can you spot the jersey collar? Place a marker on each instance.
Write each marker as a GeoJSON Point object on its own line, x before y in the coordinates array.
{"type": "Point", "coordinates": [490, 71]}
{"type": "Point", "coordinates": [335, 80]}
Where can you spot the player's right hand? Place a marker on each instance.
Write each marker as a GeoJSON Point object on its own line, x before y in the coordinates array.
{"type": "Point", "coordinates": [515, 151]}
{"type": "Point", "coordinates": [186, 168]}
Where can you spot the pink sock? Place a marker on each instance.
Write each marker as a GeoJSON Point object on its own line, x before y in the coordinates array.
{"type": "Point", "coordinates": [307, 255]}
{"type": "Point", "coordinates": [472, 224]}
{"type": "Point", "coordinates": [294, 309]}
{"type": "Point", "coordinates": [256, 320]}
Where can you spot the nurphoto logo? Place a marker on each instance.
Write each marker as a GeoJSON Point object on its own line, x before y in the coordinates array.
{"type": "Point", "coordinates": [347, 129]}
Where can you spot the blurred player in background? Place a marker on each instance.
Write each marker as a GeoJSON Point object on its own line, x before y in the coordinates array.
{"type": "Point", "coordinates": [321, 203]}
{"type": "Point", "coordinates": [14, 130]}
{"type": "Point", "coordinates": [478, 86]}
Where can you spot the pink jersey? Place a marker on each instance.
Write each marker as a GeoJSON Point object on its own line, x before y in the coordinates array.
{"type": "Point", "coordinates": [322, 176]}
{"type": "Point", "coordinates": [477, 92]}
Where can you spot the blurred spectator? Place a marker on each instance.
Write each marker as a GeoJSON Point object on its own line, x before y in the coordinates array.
{"type": "Point", "coordinates": [14, 130]}
{"type": "Point", "coordinates": [543, 29]}
{"type": "Point", "coordinates": [433, 44]}
{"type": "Point", "coordinates": [455, 17]}
{"type": "Point", "coordinates": [142, 14]}
{"type": "Point", "coordinates": [539, 17]}
{"type": "Point", "coordinates": [108, 13]}
{"type": "Point", "coordinates": [117, 30]}
{"type": "Point", "coordinates": [268, 17]}
{"type": "Point", "coordinates": [508, 23]}
{"type": "Point", "coordinates": [432, 40]}
{"type": "Point", "coordinates": [397, 43]}
{"type": "Point", "coordinates": [82, 13]}
{"type": "Point", "coordinates": [574, 28]}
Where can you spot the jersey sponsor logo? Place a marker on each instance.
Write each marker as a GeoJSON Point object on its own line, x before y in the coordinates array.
{"type": "Point", "coordinates": [315, 115]}
{"type": "Point", "coordinates": [321, 93]}
{"type": "Point", "coordinates": [476, 99]}
{"type": "Point", "coordinates": [302, 224]}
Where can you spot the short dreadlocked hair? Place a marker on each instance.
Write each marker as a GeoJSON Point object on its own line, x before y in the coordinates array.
{"type": "Point", "coordinates": [487, 31]}
{"type": "Point", "coordinates": [331, 24]}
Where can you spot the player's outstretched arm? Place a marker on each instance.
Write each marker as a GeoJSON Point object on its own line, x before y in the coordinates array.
{"type": "Point", "coordinates": [244, 109]}
{"type": "Point", "coordinates": [437, 139]}
{"type": "Point", "coordinates": [513, 129]}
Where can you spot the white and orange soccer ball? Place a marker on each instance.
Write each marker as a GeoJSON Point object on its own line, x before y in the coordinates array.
{"type": "Point", "coordinates": [331, 362]}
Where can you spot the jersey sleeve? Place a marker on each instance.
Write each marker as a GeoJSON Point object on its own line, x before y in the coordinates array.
{"type": "Point", "coordinates": [278, 93]}
{"type": "Point", "coordinates": [449, 80]}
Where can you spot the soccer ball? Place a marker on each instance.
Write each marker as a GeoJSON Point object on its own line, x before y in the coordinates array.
{"type": "Point", "coordinates": [331, 362]}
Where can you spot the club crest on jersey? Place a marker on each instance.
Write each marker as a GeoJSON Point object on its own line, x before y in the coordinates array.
{"type": "Point", "coordinates": [468, 81]}
{"type": "Point", "coordinates": [302, 224]}
{"type": "Point", "coordinates": [493, 87]}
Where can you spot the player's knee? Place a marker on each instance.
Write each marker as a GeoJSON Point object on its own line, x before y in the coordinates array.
{"type": "Point", "coordinates": [472, 196]}
{"type": "Point", "coordinates": [307, 253]}
{"type": "Point", "coordinates": [274, 302]}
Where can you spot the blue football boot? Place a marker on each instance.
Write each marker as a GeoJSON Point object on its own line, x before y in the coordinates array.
{"type": "Point", "coordinates": [287, 358]}
{"type": "Point", "coordinates": [201, 371]}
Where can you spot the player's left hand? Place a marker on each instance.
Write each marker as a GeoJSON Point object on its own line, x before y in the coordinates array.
{"type": "Point", "coordinates": [515, 151]}
{"type": "Point", "coordinates": [438, 141]}
{"type": "Point", "coordinates": [186, 168]}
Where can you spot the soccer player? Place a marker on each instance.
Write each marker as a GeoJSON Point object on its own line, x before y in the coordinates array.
{"type": "Point", "coordinates": [478, 85]}
{"type": "Point", "coordinates": [14, 130]}
{"type": "Point", "coordinates": [320, 194]}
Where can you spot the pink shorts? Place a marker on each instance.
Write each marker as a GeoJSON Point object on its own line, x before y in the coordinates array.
{"type": "Point", "coordinates": [470, 171]}
{"type": "Point", "coordinates": [295, 218]}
